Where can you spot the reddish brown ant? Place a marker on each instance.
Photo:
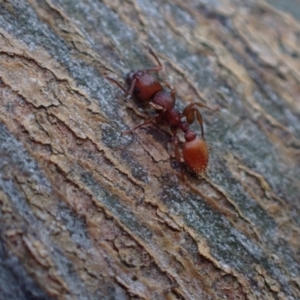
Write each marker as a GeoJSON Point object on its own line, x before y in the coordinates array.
{"type": "Point", "coordinates": [146, 89]}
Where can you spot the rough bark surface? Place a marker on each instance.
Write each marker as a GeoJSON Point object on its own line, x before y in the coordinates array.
{"type": "Point", "coordinates": [89, 213]}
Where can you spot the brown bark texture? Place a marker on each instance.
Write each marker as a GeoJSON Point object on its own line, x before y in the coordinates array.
{"type": "Point", "coordinates": [87, 212]}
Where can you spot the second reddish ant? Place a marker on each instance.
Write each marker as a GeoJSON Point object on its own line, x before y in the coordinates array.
{"type": "Point", "coordinates": [146, 89]}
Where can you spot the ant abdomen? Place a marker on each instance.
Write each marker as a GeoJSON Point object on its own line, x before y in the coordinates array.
{"type": "Point", "coordinates": [195, 154]}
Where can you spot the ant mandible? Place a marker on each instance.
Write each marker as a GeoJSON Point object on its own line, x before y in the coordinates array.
{"type": "Point", "coordinates": [147, 90]}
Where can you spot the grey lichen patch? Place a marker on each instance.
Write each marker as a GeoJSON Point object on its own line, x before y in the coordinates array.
{"type": "Point", "coordinates": [276, 107]}
{"type": "Point", "coordinates": [254, 148]}
{"type": "Point", "coordinates": [38, 247]}
{"type": "Point", "coordinates": [87, 77]}
{"type": "Point", "coordinates": [292, 7]}
{"type": "Point", "coordinates": [225, 241]}
{"type": "Point", "coordinates": [138, 171]}
{"type": "Point", "coordinates": [244, 138]}
{"type": "Point", "coordinates": [113, 137]}
{"type": "Point", "coordinates": [234, 190]}
{"type": "Point", "coordinates": [74, 224]}
{"type": "Point", "coordinates": [15, 282]}
{"type": "Point", "coordinates": [180, 16]}
{"type": "Point", "coordinates": [103, 23]}
{"type": "Point", "coordinates": [211, 225]}
{"type": "Point", "coordinates": [115, 206]}
{"type": "Point", "coordinates": [14, 153]}
{"type": "Point", "coordinates": [121, 145]}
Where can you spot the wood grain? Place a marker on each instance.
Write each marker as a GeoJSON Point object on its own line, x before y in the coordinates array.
{"type": "Point", "coordinates": [89, 213]}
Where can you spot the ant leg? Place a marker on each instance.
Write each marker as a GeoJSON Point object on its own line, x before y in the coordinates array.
{"type": "Point", "coordinates": [189, 113]}
{"type": "Point", "coordinates": [200, 121]}
{"type": "Point", "coordinates": [157, 107]}
{"type": "Point", "coordinates": [154, 69]}
{"type": "Point", "coordinates": [175, 141]}
{"type": "Point", "coordinates": [117, 83]}
{"type": "Point", "coordinates": [189, 110]}
{"type": "Point", "coordinates": [127, 93]}
{"type": "Point", "coordinates": [172, 89]}
{"type": "Point", "coordinates": [151, 120]}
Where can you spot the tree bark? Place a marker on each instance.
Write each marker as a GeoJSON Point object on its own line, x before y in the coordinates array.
{"type": "Point", "coordinates": [87, 212]}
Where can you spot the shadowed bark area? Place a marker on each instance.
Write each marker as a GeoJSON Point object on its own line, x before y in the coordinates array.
{"type": "Point", "coordinates": [89, 213]}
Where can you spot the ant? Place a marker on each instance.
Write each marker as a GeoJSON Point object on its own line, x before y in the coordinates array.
{"type": "Point", "coordinates": [147, 90]}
